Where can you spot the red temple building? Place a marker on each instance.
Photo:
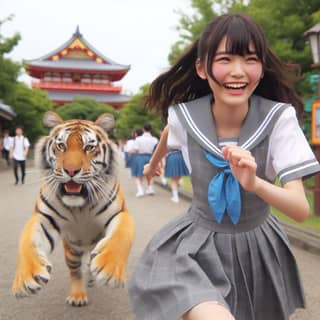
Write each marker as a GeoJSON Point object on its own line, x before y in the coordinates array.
{"type": "Point", "coordinates": [77, 69]}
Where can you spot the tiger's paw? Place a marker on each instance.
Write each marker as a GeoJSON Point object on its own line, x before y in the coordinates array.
{"type": "Point", "coordinates": [107, 266]}
{"type": "Point", "coordinates": [32, 274]}
{"type": "Point", "coordinates": [77, 299]}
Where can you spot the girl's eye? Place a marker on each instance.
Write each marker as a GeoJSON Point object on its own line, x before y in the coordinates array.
{"type": "Point", "coordinates": [252, 58]}
{"type": "Point", "coordinates": [222, 59]}
{"type": "Point", "coordinates": [61, 146]}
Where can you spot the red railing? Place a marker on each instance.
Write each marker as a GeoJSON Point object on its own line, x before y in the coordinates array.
{"type": "Point", "coordinates": [78, 86]}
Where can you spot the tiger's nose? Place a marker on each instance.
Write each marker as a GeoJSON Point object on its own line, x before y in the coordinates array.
{"type": "Point", "coordinates": [71, 171]}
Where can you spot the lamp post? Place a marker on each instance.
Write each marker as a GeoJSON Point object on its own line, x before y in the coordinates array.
{"type": "Point", "coordinates": [314, 39]}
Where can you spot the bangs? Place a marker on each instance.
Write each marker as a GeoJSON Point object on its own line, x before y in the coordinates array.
{"type": "Point", "coordinates": [238, 42]}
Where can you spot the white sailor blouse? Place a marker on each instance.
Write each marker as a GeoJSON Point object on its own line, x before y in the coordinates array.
{"type": "Point", "coordinates": [289, 154]}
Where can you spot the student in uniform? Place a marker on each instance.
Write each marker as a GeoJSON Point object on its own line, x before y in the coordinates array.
{"type": "Point", "coordinates": [175, 168]}
{"type": "Point", "coordinates": [5, 146]}
{"type": "Point", "coordinates": [143, 148]}
{"type": "Point", "coordinates": [128, 148]}
{"type": "Point", "coordinates": [233, 114]}
{"type": "Point", "coordinates": [18, 152]}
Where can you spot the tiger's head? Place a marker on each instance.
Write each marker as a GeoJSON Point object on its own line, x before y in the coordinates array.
{"type": "Point", "coordinates": [78, 158]}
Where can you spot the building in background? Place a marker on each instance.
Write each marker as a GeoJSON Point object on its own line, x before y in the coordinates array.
{"type": "Point", "coordinates": [6, 114]}
{"type": "Point", "coordinates": [77, 69]}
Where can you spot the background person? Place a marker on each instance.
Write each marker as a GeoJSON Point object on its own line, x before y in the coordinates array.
{"type": "Point", "coordinates": [18, 152]}
{"type": "Point", "coordinates": [144, 147]}
{"type": "Point", "coordinates": [5, 146]}
{"type": "Point", "coordinates": [175, 168]}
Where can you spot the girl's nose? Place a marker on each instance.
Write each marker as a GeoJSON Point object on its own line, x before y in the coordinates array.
{"type": "Point", "coordinates": [237, 68]}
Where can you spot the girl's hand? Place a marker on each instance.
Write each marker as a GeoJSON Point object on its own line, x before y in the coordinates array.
{"type": "Point", "coordinates": [150, 171]}
{"type": "Point", "coordinates": [243, 166]}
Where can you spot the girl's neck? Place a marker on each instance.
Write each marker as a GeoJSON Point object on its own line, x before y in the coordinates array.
{"type": "Point", "coordinates": [229, 119]}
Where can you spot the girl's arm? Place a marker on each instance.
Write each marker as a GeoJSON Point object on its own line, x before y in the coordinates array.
{"type": "Point", "coordinates": [289, 199]}
{"type": "Point", "coordinates": [160, 151]}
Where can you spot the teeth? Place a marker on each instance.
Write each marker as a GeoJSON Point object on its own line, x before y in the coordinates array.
{"type": "Point", "coordinates": [235, 86]}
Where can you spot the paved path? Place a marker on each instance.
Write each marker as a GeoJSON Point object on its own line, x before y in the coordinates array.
{"type": "Point", "coordinates": [150, 213]}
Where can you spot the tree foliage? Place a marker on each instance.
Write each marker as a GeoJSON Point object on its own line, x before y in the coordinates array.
{"type": "Point", "coordinates": [29, 106]}
{"type": "Point", "coordinates": [9, 70]}
{"type": "Point", "coordinates": [135, 115]}
{"type": "Point", "coordinates": [191, 26]}
{"type": "Point", "coordinates": [85, 108]}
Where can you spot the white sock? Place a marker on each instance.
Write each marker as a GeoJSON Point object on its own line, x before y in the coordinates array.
{"type": "Point", "coordinates": [175, 194]}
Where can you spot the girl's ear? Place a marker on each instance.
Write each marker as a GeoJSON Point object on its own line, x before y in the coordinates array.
{"type": "Point", "coordinates": [200, 68]}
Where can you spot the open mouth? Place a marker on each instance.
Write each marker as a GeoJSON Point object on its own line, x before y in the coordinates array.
{"type": "Point", "coordinates": [235, 86]}
{"type": "Point", "coordinates": [72, 188]}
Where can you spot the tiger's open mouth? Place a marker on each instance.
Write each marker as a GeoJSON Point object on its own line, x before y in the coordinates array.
{"type": "Point", "coordinates": [72, 187]}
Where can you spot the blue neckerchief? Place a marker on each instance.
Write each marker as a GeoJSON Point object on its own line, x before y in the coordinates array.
{"type": "Point", "coordinates": [223, 191]}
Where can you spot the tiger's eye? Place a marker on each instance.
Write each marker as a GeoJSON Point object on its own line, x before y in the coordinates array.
{"type": "Point", "coordinates": [89, 148]}
{"type": "Point", "coordinates": [61, 146]}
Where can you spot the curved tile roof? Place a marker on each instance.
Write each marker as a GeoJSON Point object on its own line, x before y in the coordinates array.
{"type": "Point", "coordinates": [45, 61]}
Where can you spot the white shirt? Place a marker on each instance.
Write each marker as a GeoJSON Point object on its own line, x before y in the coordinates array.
{"type": "Point", "coordinates": [7, 141]}
{"type": "Point", "coordinates": [145, 143]}
{"type": "Point", "coordinates": [19, 144]}
{"type": "Point", "coordinates": [129, 145]}
{"type": "Point", "coordinates": [288, 146]}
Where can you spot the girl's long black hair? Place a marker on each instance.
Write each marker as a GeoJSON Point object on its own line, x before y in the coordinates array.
{"type": "Point", "coordinates": [181, 82]}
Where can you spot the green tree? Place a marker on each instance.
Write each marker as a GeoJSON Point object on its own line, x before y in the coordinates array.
{"type": "Point", "coordinates": [191, 26]}
{"type": "Point", "coordinates": [85, 108]}
{"type": "Point", "coordinates": [29, 106]}
{"type": "Point", "coordinates": [9, 70]}
{"type": "Point", "coordinates": [135, 115]}
{"type": "Point", "coordinates": [88, 109]}
{"type": "Point", "coordinates": [284, 23]}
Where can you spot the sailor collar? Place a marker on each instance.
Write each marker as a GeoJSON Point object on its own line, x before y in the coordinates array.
{"type": "Point", "coordinates": [197, 118]}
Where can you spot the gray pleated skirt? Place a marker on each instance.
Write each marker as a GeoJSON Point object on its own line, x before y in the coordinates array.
{"type": "Point", "coordinates": [252, 273]}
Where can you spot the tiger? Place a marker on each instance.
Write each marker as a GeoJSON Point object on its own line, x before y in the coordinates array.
{"type": "Point", "coordinates": [80, 202]}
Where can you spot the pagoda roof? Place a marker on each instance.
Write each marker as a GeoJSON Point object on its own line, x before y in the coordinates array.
{"type": "Point", "coordinates": [90, 59]}
{"type": "Point", "coordinates": [64, 97]}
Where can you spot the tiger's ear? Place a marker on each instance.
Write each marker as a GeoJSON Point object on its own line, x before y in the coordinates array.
{"type": "Point", "coordinates": [51, 119]}
{"type": "Point", "coordinates": [105, 121]}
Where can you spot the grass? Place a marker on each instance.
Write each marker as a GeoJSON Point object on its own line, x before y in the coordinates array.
{"type": "Point", "coordinates": [312, 222]}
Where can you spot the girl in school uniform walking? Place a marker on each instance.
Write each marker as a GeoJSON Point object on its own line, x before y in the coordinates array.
{"type": "Point", "coordinates": [143, 148]}
{"type": "Point", "coordinates": [174, 169]}
{"type": "Point", "coordinates": [233, 112]}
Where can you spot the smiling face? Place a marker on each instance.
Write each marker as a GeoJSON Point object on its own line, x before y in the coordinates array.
{"type": "Point", "coordinates": [235, 76]}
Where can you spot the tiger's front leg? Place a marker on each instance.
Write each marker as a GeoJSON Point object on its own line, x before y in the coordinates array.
{"type": "Point", "coordinates": [109, 257]}
{"type": "Point", "coordinates": [33, 268]}
{"type": "Point", "coordinates": [77, 295]}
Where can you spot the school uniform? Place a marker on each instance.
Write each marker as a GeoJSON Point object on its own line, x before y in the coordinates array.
{"type": "Point", "coordinates": [19, 145]}
{"type": "Point", "coordinates": [6, 142]}
{"type": "Point", "coordinates": [128, 149]}
{"type": "Point", "coordinates": [175, 165]}
{"type": "Point", "coordinates": [144, 145]}
{"type": "Point", "coordinates": [234, 253]}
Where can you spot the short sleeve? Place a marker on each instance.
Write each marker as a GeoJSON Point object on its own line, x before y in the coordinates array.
{"type": "Point", "coordinates": [290, 155]}
{"type": "Point", "coordinates": [26, 143]}
{"type": "Point", "coordinates": [177, 136]}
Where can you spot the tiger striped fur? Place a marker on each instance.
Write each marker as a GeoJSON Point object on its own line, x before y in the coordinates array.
{"type": "Point", "coordinates": [80, 202]}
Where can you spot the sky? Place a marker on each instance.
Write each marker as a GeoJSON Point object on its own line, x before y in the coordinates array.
{"type": "Point", "coordinates": [138, 33]}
